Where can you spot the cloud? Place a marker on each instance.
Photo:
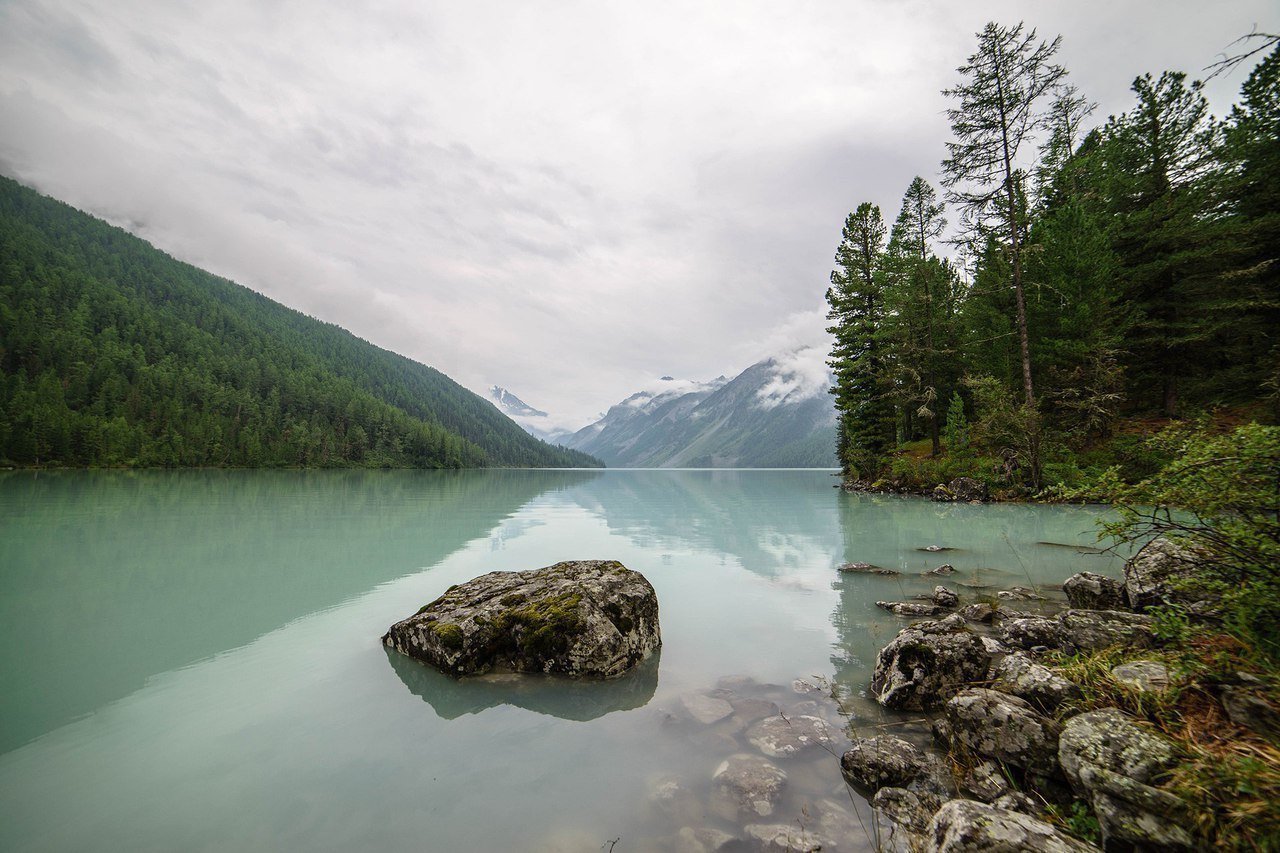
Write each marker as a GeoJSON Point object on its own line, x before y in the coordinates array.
{"type": "Point", "coordinates": [566, 198]}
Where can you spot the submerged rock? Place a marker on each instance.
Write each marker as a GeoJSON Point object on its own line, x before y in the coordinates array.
{"type": "Point", "coordinates": [914, 609]}
{"type": "Point", "coordinates": [965, 826]}
{"type": "Point", "coordinates": [865, 569]}
{"type": "Point", "coordinates": [1019, 593]}
{"type": "Point", "coordinates": [578, 618]}
{"type": "Point", "coordinates": [1092, 591]}
{"type": "Point", "coordinates": [786, 838]}
{"type": "Point", "coordinates": [781, 737]}
{"type": "Point", "coordinates": [926, 664]}
{"type": "Point", "coordinates": [746, 786]}
{"type": "Point", "coordinates": [706, 709]}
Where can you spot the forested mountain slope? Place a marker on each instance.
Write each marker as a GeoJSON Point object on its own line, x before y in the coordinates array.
{"type": "Point", "coordinates": [114, 353]}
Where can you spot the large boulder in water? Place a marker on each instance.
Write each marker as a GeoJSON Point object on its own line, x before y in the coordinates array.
{"type": "Point", "coordinates": [579, 618]}
{"type": "Point", "coordinates": [927, 664]}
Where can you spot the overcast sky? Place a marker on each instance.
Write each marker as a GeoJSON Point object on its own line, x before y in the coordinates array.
{"type": "Point", "coordinates": [564, 198]}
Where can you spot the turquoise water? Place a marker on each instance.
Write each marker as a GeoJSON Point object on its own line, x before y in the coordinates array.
{"type": "Point", "coordinates": [191, 660]}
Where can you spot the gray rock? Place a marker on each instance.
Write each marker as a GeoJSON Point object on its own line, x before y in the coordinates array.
{"type": "Point", "coordinates": [703, 839]}
{"type": "Point", "coordinates": [1019, 593]}
{"type": "Point", "coordinates": [786, 838]}
{"type": "Point", "coordinates": [670, 798]}
{"type": "Point", "coordinates": [906, 808]}
{"type": "Point", "coordinates": [749, 709]}
{"type": "Point", "coordinates": [872, 763]}
{"type": "Point", "coordinates": [1247, 708]}
{"type": "Point", "coordinates": [782, 737]}
{"type": "Point", "coordinates": [746, 786]}
{"type": "Point", "coordinates": [1093, 630]}
{"type": "Point", "coordinates": [967, 489]}
{"type": "Point", "coordinates": [985, 781]}
{"type": "Point", "coordinates": [1020, 676]}
{"type": "Point", "coordinates": [580, 618]}
{"type": "Point", "coordinates": [1147, 676]}
{"type": "Point", "coordinates": [1004, 728]}
{"type": "Point", "coordinates": [994, 646]}
{"type": "Point", "coordinates": [1161, 573]}
{"type": "Point", "coordinates": [865, 569]}
{"type": "Point", "coordinates": [944, 597]}
{"type": "Point", "coordinates": [1092, 591]}
{"type": "Point", "coordinates": [915, 609]}
{"type": "Point", "coordinates": [944, 569]}
{"type": "Point", "coordinates": [927, 663]}
{"type": "Point", "coordinates": [1016, 801]}
{"type": "Point", "coordinates": [1032, 631]}
{"type": "Point", "coordinates": [980, 612]}
{"type": "Point", "coordinates": [965, 826]}
{"type": "Point", "coordinates": [1111, 761]}
{"type": "Point", "coordinates": [706, 709]}
{"type": "Point", "coordinates": [1111, 739]}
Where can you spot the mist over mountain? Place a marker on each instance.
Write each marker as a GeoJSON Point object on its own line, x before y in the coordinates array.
{"type": "Point", "coordinates": [775, 414]}
{"type": "Point", "coordinates": [534, 421]}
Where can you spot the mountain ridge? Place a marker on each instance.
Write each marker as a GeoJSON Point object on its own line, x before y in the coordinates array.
{"type": "Point", "coordinates": [113, 353]}
{"type": "Point", "coordinates": [743, 422]}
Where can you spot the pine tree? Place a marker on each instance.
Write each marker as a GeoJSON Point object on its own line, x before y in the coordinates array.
{"type": "Point", "coordinates": [997, 115]}
{"type": "Point", "coordinates": [865, 431]}
{"type": "Point", "coordinates": [1169, 238]}
{"type": "Point", "coordinates": [1252, 154]}
{"type": "Point", "coordinates": [921, 293]}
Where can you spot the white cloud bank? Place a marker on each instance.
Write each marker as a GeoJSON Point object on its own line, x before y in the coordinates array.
{"type": "Point", "coordinates": [562, 198]}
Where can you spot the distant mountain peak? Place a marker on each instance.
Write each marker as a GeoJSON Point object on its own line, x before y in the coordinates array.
{"type": "Point", "coordinates": [773, 414]}
{"type": "Point", "coordinates": [513, 406]}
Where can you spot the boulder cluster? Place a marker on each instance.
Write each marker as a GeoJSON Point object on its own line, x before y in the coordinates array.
{"type": "Point", "coordinates": [1018, 729]}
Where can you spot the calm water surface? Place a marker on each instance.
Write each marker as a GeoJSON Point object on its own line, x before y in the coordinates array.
{"type": "Point", "coordinates": [191, 660]}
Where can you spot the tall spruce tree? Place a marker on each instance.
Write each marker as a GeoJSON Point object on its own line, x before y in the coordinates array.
{"type": "Point", "coordinates": [997, 116]}
{"type": "Point", "coordinates": [921, 291]}
{"type": "Point", "coordinates": [1169, 236]}
{"type": "Point", "coordinates": [1252, 155]}
{"type": "Point", "coordinates": [865, 420]}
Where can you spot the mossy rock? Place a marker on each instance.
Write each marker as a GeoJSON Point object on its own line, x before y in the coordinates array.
{"type": "Point", "coordinates": [589, 617]}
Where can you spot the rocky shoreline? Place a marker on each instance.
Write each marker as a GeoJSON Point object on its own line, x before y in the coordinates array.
{"type": "Point", "coordinates": [1016, 744]}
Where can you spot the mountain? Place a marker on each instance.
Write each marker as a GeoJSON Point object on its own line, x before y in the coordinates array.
{"type": "Point", "coordinates": [512, 406]}
{"type": "Point", "coordinates": [113, 353]}
{"type": "Point", "coordinates": [775, 414]}
{"type": "Point", "coordinates": [534, 421]}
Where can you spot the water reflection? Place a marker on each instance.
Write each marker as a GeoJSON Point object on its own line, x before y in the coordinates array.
{"type": "Point", "coordinates": [992, 547]}
{"type": "Point", "coordinates": [566, 698]}
{"type": "Point", "coordinates": [772, 522]}
{"type": "Point", "coordinates": [142, 572]}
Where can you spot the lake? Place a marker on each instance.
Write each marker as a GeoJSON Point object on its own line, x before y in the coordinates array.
{"type": "Point", "coordinates": [191, 660]}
